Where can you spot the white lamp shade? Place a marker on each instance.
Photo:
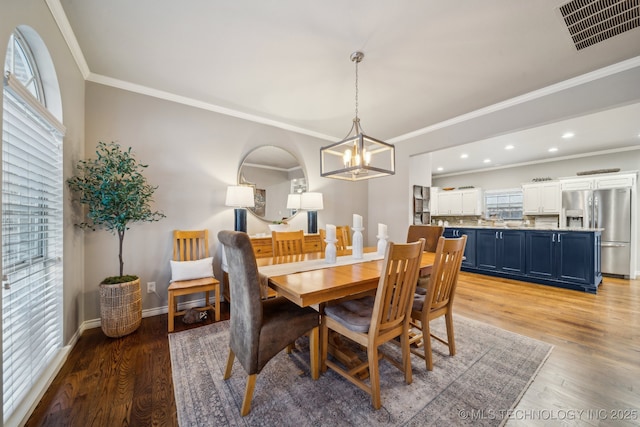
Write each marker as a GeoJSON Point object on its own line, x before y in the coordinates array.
{"type": "Point", "coordinates": [240, 196]}
{"type": "Point", "coordinates": [293, 201]}
{"type": "Point", "coordinates": [311, 201]}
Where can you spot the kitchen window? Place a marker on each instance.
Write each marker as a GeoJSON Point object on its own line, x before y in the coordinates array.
{"type": "Point", "coordinates": [504, 204]}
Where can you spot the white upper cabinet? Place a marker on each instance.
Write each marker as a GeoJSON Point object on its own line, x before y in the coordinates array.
{"type": "Point", "coordinates": [622, 180]}
{"type": "Point", "coordinates": [461, 202]}
{"type": "Point", "coordinates": [471, 201]}
{"type": "Point", "coordinates": [577, 184]}
{"type": "Point", "coordinates": [542, 198]}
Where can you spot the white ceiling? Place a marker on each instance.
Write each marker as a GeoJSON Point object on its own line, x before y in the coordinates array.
{"type": "Point", "coordinates": [613, 129]}
{"type": "Point", "coordinates": [286, 62]}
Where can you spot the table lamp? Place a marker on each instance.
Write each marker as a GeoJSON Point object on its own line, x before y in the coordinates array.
{"type": "Point", "coordinates": [293, 202]}
{"type": "Point", "coordinates": [240, 197]}
{"type": "Point", "coordinates": [312, 203]}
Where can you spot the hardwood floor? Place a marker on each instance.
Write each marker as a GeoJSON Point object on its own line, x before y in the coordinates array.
{"type": "Point", "coordinates": [594, 366]}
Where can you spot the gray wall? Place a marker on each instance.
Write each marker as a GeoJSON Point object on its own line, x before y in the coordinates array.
{"type": "Point", "coordinates": [193, 155]}
{"type": "Point", "coordinates": [35, 14]}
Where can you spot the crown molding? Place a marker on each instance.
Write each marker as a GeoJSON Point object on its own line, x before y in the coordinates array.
{"type": "Point", "coordinates": [67, 33]}
{"type": "Point", "coordinates": [145, 90]}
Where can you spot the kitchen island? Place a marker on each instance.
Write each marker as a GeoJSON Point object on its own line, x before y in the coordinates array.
{"type": "Point", "coordinates": [563, 257]}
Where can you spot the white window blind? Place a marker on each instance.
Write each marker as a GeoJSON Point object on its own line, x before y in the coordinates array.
{"type": "Point", "coordinates": [31, 243]}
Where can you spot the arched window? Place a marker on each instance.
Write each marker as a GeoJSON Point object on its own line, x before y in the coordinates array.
{"type": "Point", "coordinates": [32, 236]}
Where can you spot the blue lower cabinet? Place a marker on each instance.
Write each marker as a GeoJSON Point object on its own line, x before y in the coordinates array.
{"type": "Point", "coordinates": [470, 248]}
{"type": "Point", "coordinates": [541, 254]}
{"type": "Point", "coordinates": [501, 251]}
{"type": "Point", "coordinates": [565, 258]}
{"type": "Point", "coordinates": [569, 259]}
{"type": "Point", "coordinates": [575, 257]}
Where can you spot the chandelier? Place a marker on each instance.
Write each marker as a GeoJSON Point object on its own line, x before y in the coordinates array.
{"type": "Point", "coordinates": [357, 156]}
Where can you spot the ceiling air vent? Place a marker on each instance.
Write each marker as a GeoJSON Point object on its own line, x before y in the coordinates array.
{"type": "Point", "coordinates": [592, 21]}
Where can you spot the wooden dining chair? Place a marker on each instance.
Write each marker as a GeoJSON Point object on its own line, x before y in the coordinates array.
{"type": "Point", "coordinates": [340, 245]}
{"type": "Point", "coordinates": [430, 234]}
{"type": "Point", "coordinates": [437, 301]}
{"type": "Point", "coordinates": [260, 329]}
{"type": "Point", "coordinates": [194, 277]}
{"type": "Point", "coordinates": [287, 242]}
{"type": "Point", "coordinates": [345, 232]}
{"type": "Point", "coordinates": [371, 321]}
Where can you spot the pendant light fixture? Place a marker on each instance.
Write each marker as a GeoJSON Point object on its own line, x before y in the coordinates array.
{"type": "Point", "coordinates": [357, 156]}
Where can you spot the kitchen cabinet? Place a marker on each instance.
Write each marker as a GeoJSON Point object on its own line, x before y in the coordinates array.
{"type": "Point", "coordinates": [501, 250]}
{"type": "Point", "coordinates": [563, 258]}
{"type": "Point", "coordinates": [576, 184]}
{"type": "Point", "coordinates": [449, 203]}
{"type": "Point", "coordinates": [567, 256]}
{"type": "Point", "coordinates": [470, 248]}
{"type": "Point", "coordinates": [620, 180]}
{"type": "Point", "coordinates": [542, 198]}
{"type": "Point", "coordinates": [466, 202]}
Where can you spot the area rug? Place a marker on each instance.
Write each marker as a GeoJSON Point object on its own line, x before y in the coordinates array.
{"type": "Point", "coordinates": [486, 378]}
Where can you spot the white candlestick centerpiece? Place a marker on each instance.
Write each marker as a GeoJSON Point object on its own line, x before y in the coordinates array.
{"type": "Point", "coordinates": [357, 244]}
{"type": "Point", "coordinates": [330, 252]}
{"type": "Point", "coordinates": [382, 238]}
{"type": "Point", "coordinates": [331, 232]}
{"type": "Point", "coordinates": [357, 221]}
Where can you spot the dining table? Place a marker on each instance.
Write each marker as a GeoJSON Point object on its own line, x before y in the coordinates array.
{"type": "Point", "coordinates": [308, 280]}
{"type": "Point", "coordinates": [324, 282]}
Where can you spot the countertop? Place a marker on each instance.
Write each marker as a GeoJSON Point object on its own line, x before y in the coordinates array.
{"type": "Point", "coordinates": [504, 227]}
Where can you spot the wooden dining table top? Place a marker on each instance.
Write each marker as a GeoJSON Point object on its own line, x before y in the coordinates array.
{"type": "Point", "coordinates": [333, 281]}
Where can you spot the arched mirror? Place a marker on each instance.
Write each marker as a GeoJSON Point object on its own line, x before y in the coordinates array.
{"type": "Point", "coordinates": [274, 173]}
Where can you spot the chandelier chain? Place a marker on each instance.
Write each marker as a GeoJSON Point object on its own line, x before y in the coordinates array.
{"type": "Point", "coordinates": [357, 88]}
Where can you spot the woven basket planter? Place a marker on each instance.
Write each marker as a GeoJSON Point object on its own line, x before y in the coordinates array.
{"type": "Point", "coordinates": [120, 308]}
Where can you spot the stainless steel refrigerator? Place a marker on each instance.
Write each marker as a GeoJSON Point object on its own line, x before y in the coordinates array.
{"type": "Point", "coordinates": [609, 209]}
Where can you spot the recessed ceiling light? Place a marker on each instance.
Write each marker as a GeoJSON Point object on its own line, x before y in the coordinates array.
{"type": "Point", "coordinates": [568, 135]}
{"type": "Point", "coordinates": [440, 169]}
{"type": "Point", "coordinates": [509, 147]}
{"type": "Point", "coordinates": [553, 149]}
{"type": "Point", "coordinates": [464, 155]}
{"type": "Point", "coordinates": [486, 161]}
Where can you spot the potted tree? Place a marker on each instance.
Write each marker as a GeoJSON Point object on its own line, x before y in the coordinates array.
{"type": "Point", "coordinates": [116, 194]}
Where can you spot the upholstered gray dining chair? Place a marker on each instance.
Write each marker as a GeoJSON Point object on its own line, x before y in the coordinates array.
{"type": "Point", "coordinates": [259, 329]}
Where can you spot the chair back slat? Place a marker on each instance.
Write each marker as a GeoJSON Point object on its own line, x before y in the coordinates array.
{"type": "Point", "coordinates": [287, 242]}
{"type": "Point", "coordinates": [190, 245]}
{"type": "Point", "coordinates": [344, 231]}
{"type": "Point", "coordinates": [444, 276]}
{"type": "Point", "coordinates": [396, 286]}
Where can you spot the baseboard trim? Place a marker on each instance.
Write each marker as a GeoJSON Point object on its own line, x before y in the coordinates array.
{"type": "Point", "coordinates": [95, 323]}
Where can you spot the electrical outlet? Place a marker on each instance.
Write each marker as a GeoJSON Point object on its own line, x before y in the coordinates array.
{"type": "Point", "coordinates": [151, 287]}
